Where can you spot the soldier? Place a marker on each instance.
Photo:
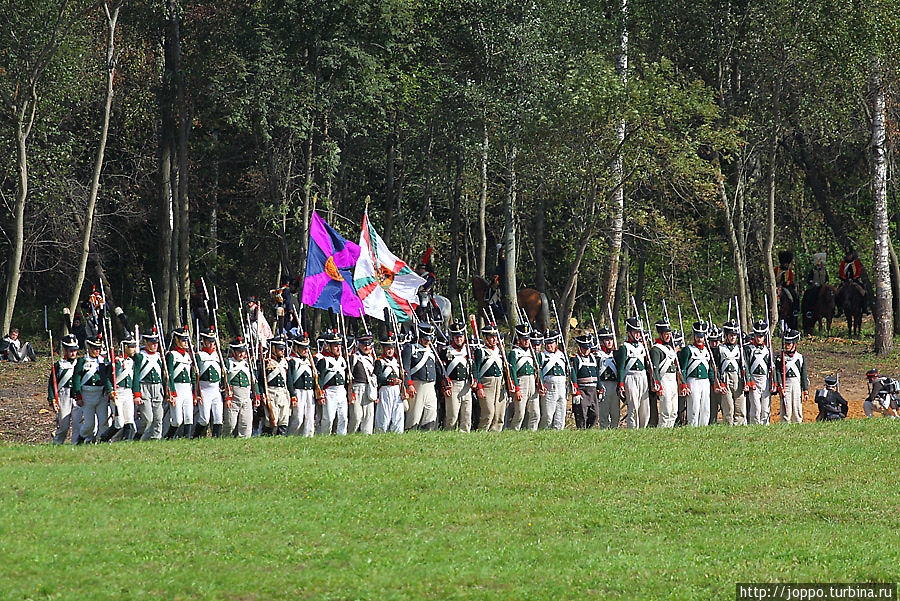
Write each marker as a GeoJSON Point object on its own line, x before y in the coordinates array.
{"type": "Point", "coordinates": [882, 395]}
{"type": "Point", "coordinates": [850, 271]}
{"type": "Point", "coordinates": [832, 406]}
{"type": "Point", "coordinates": [90, 385]}
{"type": "Point", "coordinates": [458, 404]}
{"type": "Point", "coordinates": [210, 405]}
{"type": "Point", "coordinates": [59, 395]}
{"type": "Point", "coordinates": [610, 405]}
{"type": "Point", "coordinates": [389, 415]}
{"type": "Point", "coordinates": [303, 388]}
{"type": "Point", "coordinates": [727, 357]}
{"type": "Point", "coordinates": [663, 357]}
{"type": "Point", "coordinates": [523, 370]}
{"type": "Point", "coordinates": [696, 372]}
{"type": "Point", "coordinates": [275, 391]}
{"type": "Point", "coordinates": [365, 387]}
{"type": "Point", "coordinates": [122, 394]}
{"type": "Point", "coordinates": [147, 387]}
{"type": "Point", "coordinates": [489, 375]}
{"type": "Point", "coordinates": [713, 340]}
{"type": "Point", "coordinates": [332, 368]}
{"type": "Point", "coordinates": [420, 364]}
{"type": "Point", "coordinates": [554, 365]}
{"type": "Point", "coordinates": [585, 405]}
{"type": "Point", "coordinates": [760, 384]}
{"type": "Point", "coordinates": [784, 278]}
{"type": "Point", "coordinates": [681, 420]}
{"type": "Point", "coordinates": [790, 369]}
{"type": "Point", "coordinates": [180, 418]}
{"type": "Point", "coordinates": [238, 414]}
{"type": "Point", "coordinates": [633, 377]}
{"type": "Point", "coordinates": [818, 275]}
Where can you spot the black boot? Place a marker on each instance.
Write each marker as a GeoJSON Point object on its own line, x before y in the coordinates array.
{"type": "Point", "coordinates": [265, 431]}
{"type": "Point", "coordinates": [171, 432]}
{"type": "Point", "coordinates": [128, 432]}
{"type": "Point", "coordinates": [199, 431]}
{"type": "Point", "coordinates": [217, 430]}
{"type": "Point", "coordinates": [110, 432]}
{"type": "Point", "coordinates": [281, 431]}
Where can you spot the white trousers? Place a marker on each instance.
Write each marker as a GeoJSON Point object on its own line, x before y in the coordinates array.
{"type": "Point", "coordinates": [361, 413]}
{"type": "Point", "coordinates": [527, 407]}
{"type": "Point", "coordinates": [698, 402]}
{"type": "Point", "coordinates": [95, 411]}
{"type": "Point", "coordinates": [303, 415]}
{"type": "Point", "coordinates": [124, 407]}
{"type": "Point", "coordinates": [334, 411]}
{"type": "Point", "coordinates": [553, 403]}
{"type": "Point", "coordinates": [211, 404]}
{"type": "Point", "coordinates": [760, 400]}
{"type": "Point", "coordinates": [238, 419]}
{"type": "Point", "coordinates": [668, 400]}
{"type": "Point", "coordinates": [68, 418]}
{"type": "Point", "coordinates": [389, 415]}
{"type": "Point", "coordinates": [182, 412]}
{"type": "Point", "coordinates": [151, 411]}
{"type": "Point", "coordinates": [637, 400]}
{"type": "Point", "coordinates": [792, 403]}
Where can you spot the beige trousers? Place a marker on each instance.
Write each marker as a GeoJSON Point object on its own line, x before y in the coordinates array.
{"type": "Point", "coordinates": [493, 405]}
{"type": "Point", "coordinates": [458, 406]}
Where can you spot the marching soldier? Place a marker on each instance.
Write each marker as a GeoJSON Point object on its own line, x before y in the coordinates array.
{"type": "Point", "coordinates": [389, 415]}
{"type": "Point", "coordinates": [210, 405]}
{"type": "Point", "coordinates": [458, 404]}
{"type": "Point", "coordinates": [180, 417]}
{"type": "Point", "coordinates": [633, 379]}
{"type": "Point", "coordinates": [664, 359]}
{"type": "Point", "coordinates": [760, 384]}
{"type": "Point", "coordinates": [713, 340]}
{"type": "Point", "coordinates": [553, 372]}
{"type": "Point", "coordinates": [489, 375]}
{"type": "Point", "coordinates": [365, 387]}
{"type": "Point", "coordinates": [728, 365]}
{"type": "Point", "coordinates": [696, 372]}
{"type": "Point", "coordinates": [122, 394]}
{"type": "Point", "coordinates": [420, 364]}
{"type": "Point", "coordinates": [147, 387]}
{"type": "Point", "coordinates": [302, 385]}
{"type": "Point", "coordinates": [523, 370]}
{"type": "Point", "coordinates": [90, 385]}
{"type": "Point", "coordinates": [238, 418]}
{"type": "Point", "coordinates": [275, 371]}
{"type": "Point", "coordinates": [332, 368]}
{"type": "Point", "coordinates": [790, 370]}
{"type": "Point", "coordinates": [585, 406]}
{"type": "Point", "coordinates": [609, 401]}
{"type": "Point", "coordinates": [60, 397]}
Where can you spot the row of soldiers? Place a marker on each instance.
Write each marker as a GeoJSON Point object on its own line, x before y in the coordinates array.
{"type": "Point", "coordinates": [465, 383]}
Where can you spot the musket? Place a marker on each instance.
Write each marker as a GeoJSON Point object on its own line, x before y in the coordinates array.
{"type": "Point", "coordinates": [221, 357]}
{"type": "Point", "coordinates": [404, 393]}
{"type": "Point", "coordinates": [163, 371]}
{"type": "Point", "coordinates": [712, 361]}
{"type": "Point", "coordinates": [644, 340]}
{"type": "Point", "coordinates": [470, 359]}
{"type": "Point", "coordinates": [507, 374]}
{"type": "Point", "coordinates": [262, 363]}
{"type": "Point", "coordinates": [351, 398]}
{"type": "Point", "coordinates": [694, 301]}
{"type": "Point", "coordinates": [769, 343]}
{"type": "Point", "coordinates": [539, 382]}
{"type": "Point", "coordinates": [678, 375]}
{"type": "Point", "coordinates": [110, 352]}
{"type": "Point", "coordinates": [783, 364]}
{"type": "Point", "coordinates": [565, 351]}
{"type": "Point", "coordinates": [445, 384]}
{"type": "Point", "coordinates": [309, 356]}
{"type": "Point", "coordinates": [647, 344]}
{"type": "Point", "coordinates": [612, 325]}
{"type": "Point", "coordinates": [737, 310]}
{"type": "Point", "coordinates": [52, 364]}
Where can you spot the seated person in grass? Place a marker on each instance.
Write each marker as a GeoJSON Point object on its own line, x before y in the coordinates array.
{"type": "Point", "coordinates": [832, 406]}
{"type": "Point", "coordinates": [15, 350]}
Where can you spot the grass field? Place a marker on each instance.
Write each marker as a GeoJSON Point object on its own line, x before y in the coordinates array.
{"type": "Point", "coordinates": [655, 514]}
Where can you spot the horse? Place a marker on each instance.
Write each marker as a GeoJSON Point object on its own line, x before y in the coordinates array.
{"type": "Point", "coordinates": [533, 302]}
{"type": "Point", "coordinates": [850, 299]}
{"type": "Point", "coordinates": [818, 304]}
{"type": "Point", "coordinates": [786, 311]}
{"type": "Point", "coordinates": [434, 308]}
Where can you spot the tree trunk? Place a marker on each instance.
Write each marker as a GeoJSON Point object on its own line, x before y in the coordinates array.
{"type": "Point", "coordinates": [540, 281]}
{"type": "Point", "coordinates": [769, 243]}
{"type": "Point", "coordinates": [895, 286]}
{"type": "Point", "coordinates": [736, 254]}
{"type": "Point", "coordinates": [14, 266]}
{"type": "Point", "coordinates": [112, 16]}
{"type": "Point", "coordinates": [482, 200]}
{"type": "Point", "coordinates": [884, 327]}
{"type": "Point", "coordinates": [307, 204]}
{"type": "Point", "coordinates": [391, 159]}
{"type": "Point", "coordinates": [184, 205]}
{"type": "Point", "coordinates": [620, 299]}
{"type": "Point", "coordinates": [569, 292]}
{"type": "Point", "coordinates": [456, 224]}
{"type": "Point", "coordinates": [510, 240]}
{"type": "Point", "coordinates": [213, 261]}
{"type": "Point", "coordinates": [614, 240]}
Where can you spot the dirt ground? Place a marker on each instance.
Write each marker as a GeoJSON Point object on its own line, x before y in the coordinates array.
{"type": "Point", "coordinates": [26, 418]}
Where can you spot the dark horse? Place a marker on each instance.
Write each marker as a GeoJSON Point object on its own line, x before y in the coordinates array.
{"type": "Point", "coordinates": [850, 299]}
{"type": "Point", "coordinates": [817, 305]}
{"type": "Point", "coordinates": [786, 311]}
{"type": "Point", "coordinates": [534, 303]}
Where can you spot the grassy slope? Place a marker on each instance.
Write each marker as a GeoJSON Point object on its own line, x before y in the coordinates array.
{"type": "Point", "coordinates": [552, 515]}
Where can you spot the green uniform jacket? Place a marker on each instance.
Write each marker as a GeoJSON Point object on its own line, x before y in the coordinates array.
{"type": "Point", "coordinates": [184, 373]}
{"type": "Point", "coordinates": [124, 373]}
{"type": "Point", "coordinates": [796, 369]}
{"type": "Point", "coordinates": [100, 377]}
{"type": "Point", "coordinates": [386, 370]}
{"type": "Point", "coordinates": [239, 375]}
{"type": "Point", "coordinates": [457, 361]}
{"type": "Point", "coordinates": [64, 372]}
{"type": "Point", "coordinates": [153, 375]}
{"type": "Point", "coordinates": [482, 355]}
{"type": "Point", "coordinates": [662, 364]}
{"type": "Point", "coordinates": [691, 370]}
{"type": "Point", "coordinates": [623, 356]}
{"type": "Point", "coordinates": [520, 363]}
{"type": "Point", "coordinates": [300, 374]}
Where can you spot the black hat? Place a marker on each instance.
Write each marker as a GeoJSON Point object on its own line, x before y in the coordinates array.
{"type": "Point", "coordinates": [523, 331]}
{"type": "Point", "coordinates": [604, 333]}
{"type": "Point", "coordinates": [365, 339]}
{"type": "Point", "coordinates": [69, 342]}
{"type": "Point", "coordinates": [94, 342]}
{"type": "Point", "coordinates": [791, 337]}
{"type": "Point", "coordinates": [714, 334]}
{"type": "Point", "coordinates": [537, 337]}
{"type": "Point", "coordinates": [785, 256]}
{"type": "Point", "coordinates": [551, 336]}
{"type": "Point", "coordinates": [873, 373]}
{"type": "Point", "coordinates": [489, 330]}
{"type": "Point", "coordinates": [181, 333]}
{"type": "Point", "coordinates": [730, 327]}
{"type": "Point", "coordinates": [301, 341]}
{"type": "Point", "coordinates": [331, 337]}
{"type": "Point", "coordinates": [277, 341]}
{"type": "Point", "coordinates": [128, 341]}
{"type": "Point", "coordinates": [457, 328]}
{"type": "Point", "coordinates": [426, 330]}
{"type": "Point", "coordinates": [633, 324]}
{"type": "Point", "coordinates": [700, 328]}
{"type": "Point", "coordinates": [208, 334]}
{"type": "Point", "coordinates": [150, 336]}
{"type": "Point", "coordinates": [677, 337]}
{"type": "Point", "coordinates": [584, 340]}
{"type": "Point", "coordinates": [388, 339]}
{"type": "Point", "coordinates": [663, 326]}
{"type": "Point", "coordinates": [830, 381]}
{"type": "Point", "coordinates": [238, 345]}
{"type": "Point", "coordinates": [760, 328]}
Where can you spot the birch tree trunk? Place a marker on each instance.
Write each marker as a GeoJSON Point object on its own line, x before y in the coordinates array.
{"type": "Point", "coordinates": [112, 16]}
{"type": "Point", "coordinates": [482, 200]}
{"type": "Point", "coordinates": [769, 244]}
{"type": "Point", "coordinates": [184, 205]}
{"type": "Point", "coordinates": [884, 328]}
{"type": "Point", "coordinates": [509, 241]}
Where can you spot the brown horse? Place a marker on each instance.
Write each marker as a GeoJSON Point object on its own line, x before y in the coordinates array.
{"type": "Point", "coordinates": [534, 303]}
{"type": "Point", "coordinates": [850, 299]}
{"type": "Point", "coordinates": [818, 304]}
{"type": "Point", "coordinates": [786, 312]}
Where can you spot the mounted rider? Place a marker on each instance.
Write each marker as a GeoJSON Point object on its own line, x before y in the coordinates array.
{"type": "Point", "coordinates": [428, 310]}
{"type": "Point", "coordinates": [784, 279]}
{"type": "Point", "coordinates": [818, 275]}
{"type": "Point", "coordinates": [850, 272]}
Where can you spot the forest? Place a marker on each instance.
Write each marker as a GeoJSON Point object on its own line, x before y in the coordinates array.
{"type": "Point", "coordinates": [607, 148]}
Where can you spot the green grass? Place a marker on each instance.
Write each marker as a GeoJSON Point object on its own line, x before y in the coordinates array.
{"type": "Point", "coordinates": [656, 514]}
